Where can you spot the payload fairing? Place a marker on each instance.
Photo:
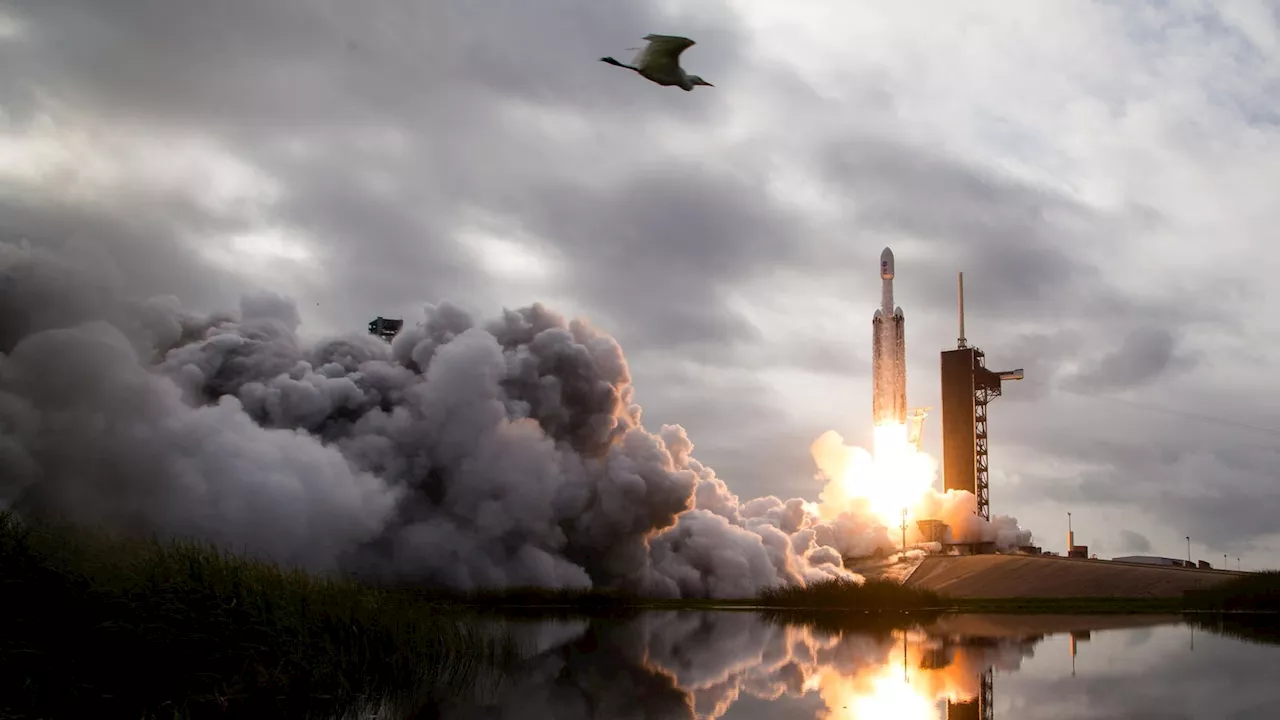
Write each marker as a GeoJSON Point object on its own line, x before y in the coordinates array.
{"type": "Point", "coordinates": [888, 353]}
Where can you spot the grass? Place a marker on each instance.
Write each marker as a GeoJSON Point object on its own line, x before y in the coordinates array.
{"type": "Point", "coordinates": [876, 595]}
{"type": "Point", "coordinates": [875, 607]}
{"type": "Point", "coordinates": [1253, 592]}
{"type": "Point", "coordinates": [1252, 627]}
{"type": "Point", "coordinates": [150, 629]}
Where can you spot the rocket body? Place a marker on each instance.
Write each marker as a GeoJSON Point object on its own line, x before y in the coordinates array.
{"type": "Point", "coordinates": [888, 353]}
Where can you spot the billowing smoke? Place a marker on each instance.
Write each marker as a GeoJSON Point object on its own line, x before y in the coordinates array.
{"type": "Point", "coordinates": [958, 509]}
{"type": "Point", "coordinates": [464, 454]}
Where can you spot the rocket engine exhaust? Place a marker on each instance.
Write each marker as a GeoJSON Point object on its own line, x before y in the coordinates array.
{"type": "Point", "coordinates": [888, 353]}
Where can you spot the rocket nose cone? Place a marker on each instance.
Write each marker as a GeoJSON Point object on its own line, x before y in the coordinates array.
{"type": "Point", "coordinates": [886, 264]}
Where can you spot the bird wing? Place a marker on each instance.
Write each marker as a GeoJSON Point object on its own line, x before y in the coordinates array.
{"type": "Point", "coordinates": [662, 52]}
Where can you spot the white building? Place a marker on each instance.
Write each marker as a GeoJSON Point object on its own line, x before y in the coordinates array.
{"type": "Point", "coordinates": [1150, 560]}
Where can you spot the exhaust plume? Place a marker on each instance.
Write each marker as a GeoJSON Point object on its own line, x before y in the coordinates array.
{"type": "Point", "coordinates": [903, 478]}
{"type": "Point", "coordinates": [463, 454]}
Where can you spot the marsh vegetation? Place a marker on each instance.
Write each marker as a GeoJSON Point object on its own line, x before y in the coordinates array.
{"type": "Point", "coordinates": [165, 629]}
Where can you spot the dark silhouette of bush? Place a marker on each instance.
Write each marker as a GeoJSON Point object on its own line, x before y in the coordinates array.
{"type": "Point", "coordinates": [103, 626]}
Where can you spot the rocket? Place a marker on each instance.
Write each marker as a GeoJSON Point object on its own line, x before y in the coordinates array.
{"type": "Point", "coordinates": [888, 353]}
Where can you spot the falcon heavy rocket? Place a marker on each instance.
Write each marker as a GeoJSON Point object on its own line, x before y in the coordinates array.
{"type": "Point", "coordinates": [888, 353]}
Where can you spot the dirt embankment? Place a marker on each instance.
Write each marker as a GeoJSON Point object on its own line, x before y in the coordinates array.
{"type": "Point", "coordinates": [1024, 576]}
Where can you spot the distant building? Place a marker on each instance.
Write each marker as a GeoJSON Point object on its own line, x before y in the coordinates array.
{"type": "Point", "coordinates": [1150, 560]}
{"type": "Point", "coordinates": [385, 328]}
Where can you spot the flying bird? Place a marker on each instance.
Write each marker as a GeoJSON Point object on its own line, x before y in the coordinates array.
{"type": "Point", "coordinates": [659, 62]}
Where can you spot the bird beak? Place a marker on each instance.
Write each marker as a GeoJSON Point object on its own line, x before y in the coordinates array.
{"type": "Point", "coordinates": [704, 82]}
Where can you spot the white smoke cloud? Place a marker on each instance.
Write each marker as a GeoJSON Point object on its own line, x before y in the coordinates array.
{"type": "Point", "coordinates": [463, 454]}
{"type": "Point", "coordinates": [958, 509]}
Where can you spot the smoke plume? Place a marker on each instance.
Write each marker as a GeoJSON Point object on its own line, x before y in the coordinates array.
{"type": "Point", "coordinates": [464, 454]}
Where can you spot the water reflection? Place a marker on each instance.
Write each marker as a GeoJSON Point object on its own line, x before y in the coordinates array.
{"type": "Point", "coordinates": [742, 665]}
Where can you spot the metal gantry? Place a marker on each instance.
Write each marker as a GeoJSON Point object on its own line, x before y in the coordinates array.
{"type": "Point", "coordinates": [983, 393]}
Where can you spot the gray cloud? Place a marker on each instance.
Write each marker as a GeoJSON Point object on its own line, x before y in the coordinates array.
{"type": "Point", "coordinates": [1220, 498]}
{"type": "Point", "coordinates": [1143, 356]}
{"type": "Point", "coordinates": [442, 80]}
{"type": "Point", "coordinates": [139, 247]}
{"type": "Point", "coordinates": [1106, 220]}
{"type": "Point", "coordinates": [658, 252]}
{"type": "Point", "coordinates": [1134, 542]}
{"type": "Point", "coordinates": [962, 215]}
{"type": "Point", "coordinates": [251, 64]}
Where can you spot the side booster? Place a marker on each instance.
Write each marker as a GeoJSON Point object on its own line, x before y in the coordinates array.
{"type": "Point", "coordinates": [888, 353]}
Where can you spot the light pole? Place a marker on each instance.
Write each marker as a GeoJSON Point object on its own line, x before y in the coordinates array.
{"type": "Point", "coordinates": [1188, 549]}
{"type": "Point", "coordinates": [1237, 564]}
{"type": "Point", "coordinates": [904, 532]}
{"type": "Point", "coordinates": [1224, 561]}
{"type": "Point", "coordinates": [1071, 537]}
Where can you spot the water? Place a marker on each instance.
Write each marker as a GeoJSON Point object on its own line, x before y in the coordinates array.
{"type": "Point", "coordinates": [738, 665]}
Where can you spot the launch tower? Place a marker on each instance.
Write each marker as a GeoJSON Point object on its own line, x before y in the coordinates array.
{"type": "Point", "coordinates": [967, 387]}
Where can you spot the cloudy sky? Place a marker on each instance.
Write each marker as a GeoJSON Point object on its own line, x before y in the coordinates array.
{"type": "Point", "coordinates": [1103, 172]}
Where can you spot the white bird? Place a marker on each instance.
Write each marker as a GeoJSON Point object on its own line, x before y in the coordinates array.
{"type": "Point", "coordinates": [660, 62]}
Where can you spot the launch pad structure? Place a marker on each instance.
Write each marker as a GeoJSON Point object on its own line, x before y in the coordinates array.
{"type": "Point", "coordinates": [967, 388]}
